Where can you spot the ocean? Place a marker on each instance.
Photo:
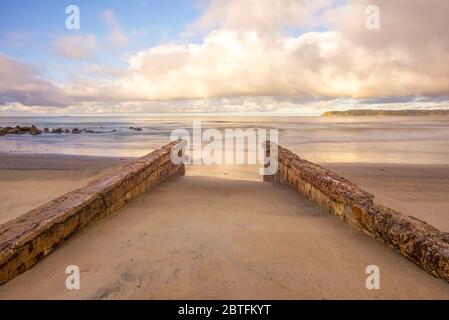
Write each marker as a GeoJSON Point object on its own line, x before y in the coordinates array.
{"type": "Point", "coordinates": [413, 140]}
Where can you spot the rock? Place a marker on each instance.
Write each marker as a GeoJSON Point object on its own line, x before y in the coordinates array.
{"type": "Point", "coordinates": [136, 129]}
{"type": "Point", "coordinates": [24, 130]}
{"type": "Point", "coordinates": [33, 130]}
{"type": "Point", "coordinates": [20, 130]}
{"type": "Point", "coordinates": [58, 131]}
{"type": "Point", "coordinates": [6, 130]}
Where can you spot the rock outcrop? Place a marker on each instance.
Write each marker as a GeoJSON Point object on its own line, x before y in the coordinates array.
{"type": "Point", "coordinates": [57, 130]}
{"type": "Point", "coordinates": [34, 131]}
{"type": "Point", "coordinates": [20, 130]}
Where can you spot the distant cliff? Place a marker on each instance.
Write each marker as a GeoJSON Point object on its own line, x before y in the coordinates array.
{"type": "Point", "coordinates": [369, 112]}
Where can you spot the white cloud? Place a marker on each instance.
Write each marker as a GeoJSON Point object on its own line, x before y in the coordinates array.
{"type": "Point", "coordinates": [247, 50]}
{"type": "Point", "coordinates": [246, 54]}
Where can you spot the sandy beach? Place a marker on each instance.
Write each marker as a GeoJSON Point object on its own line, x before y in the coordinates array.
{"type": "Point", "coordinates": [30, 180]}
{"type": "Point", "coordinates": [413, 189]}
{"type": "Point", "coordinates": [219, 232]}
{"type": "Point", "coordinates": [224, 150]}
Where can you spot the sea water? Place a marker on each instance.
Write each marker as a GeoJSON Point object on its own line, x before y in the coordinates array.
{"type": "Point", "coordinates": [416, 140]}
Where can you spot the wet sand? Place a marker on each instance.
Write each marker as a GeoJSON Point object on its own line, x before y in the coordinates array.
{"type": "Point", "coordinates": [219, 232]}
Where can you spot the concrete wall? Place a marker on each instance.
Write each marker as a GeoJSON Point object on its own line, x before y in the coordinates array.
{"type": "Point", "coordinates": [28, 238]}
{"type": "Point", "coordinates": [425, 245]}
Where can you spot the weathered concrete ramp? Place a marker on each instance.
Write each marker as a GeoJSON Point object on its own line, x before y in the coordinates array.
{"type": "Point", "coordinates": [28, 238]}
{"type": "Point", "coordinates": [219, 232]}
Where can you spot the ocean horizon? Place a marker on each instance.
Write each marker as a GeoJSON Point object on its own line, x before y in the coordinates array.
{"type": "Point", "coordinates": [414, 140]}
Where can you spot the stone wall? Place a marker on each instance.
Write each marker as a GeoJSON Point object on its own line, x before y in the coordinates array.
{"type": "Point", "coordinates": [30, 237]}
{"type": "Point", "coordinates": [425, 245]}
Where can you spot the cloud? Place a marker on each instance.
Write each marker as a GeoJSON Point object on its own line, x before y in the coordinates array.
{"type": "Point", "coordinates": [263, 50]}
{"type": "Point", "coordinates": [116, 37]}
{"type": "Point", "coordinates": [245, 53]}
{"type": "Point", "coordinates": [81, 47]}
{"type": "Point", "coordinates": [264, 17]}
{"type": "Point", "coordinates": [77, 46]}
{"type": "Point", "coordinates": [404, 24]}
{"type": "Point", "coordinates": [410, 49]}
{"type": "Point", "coordinates": [229, 63]}
{"type": "Point", "coordinates": [23, 83]}
{"type": "Point", "coordinates": [274, 105]}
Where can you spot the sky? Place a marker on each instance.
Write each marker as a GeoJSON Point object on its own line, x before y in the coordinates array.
{"type": "Point", "coordinates": [238, 56]}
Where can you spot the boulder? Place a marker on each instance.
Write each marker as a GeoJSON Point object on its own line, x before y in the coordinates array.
{"type": "Point", "coordinates": [58, 131]}
{"type": "Point", "coordinates": [33, 130]}
{"type": "Point", "coordinates": [20, 130]}
{"type": "Point", "coordinates": [76, 131]}
{"type": "Point", "coordinates": [6, 130]}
